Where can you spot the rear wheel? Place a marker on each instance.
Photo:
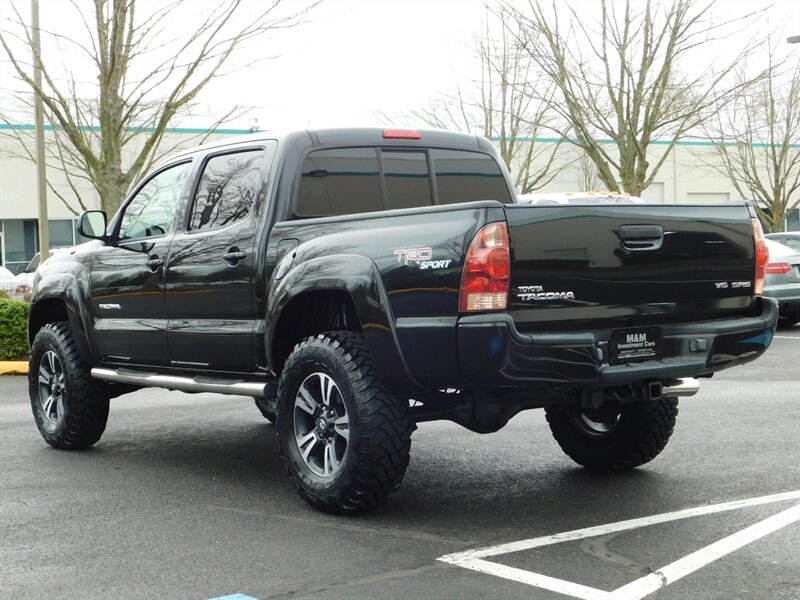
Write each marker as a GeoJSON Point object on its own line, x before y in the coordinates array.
{"type": "Point", "coordinates": [70, 407]}
{"type": "Point", "coordinates": [344, 439]}
{"type": "Point", "coordinates": [616, 436]}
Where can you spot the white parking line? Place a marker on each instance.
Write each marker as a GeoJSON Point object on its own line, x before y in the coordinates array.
{"type": "Point", "coordinates": [786, 337]}
{"type": "Point", "coordinates": [689, 564]}
{"type": "Point", "coordinates": [473, 559]}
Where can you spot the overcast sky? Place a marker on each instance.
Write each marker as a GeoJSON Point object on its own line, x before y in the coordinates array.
{"type": "Point", "coordinates": [358, 57]}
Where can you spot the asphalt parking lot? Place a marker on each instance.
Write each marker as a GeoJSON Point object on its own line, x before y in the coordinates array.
{"type": "Point", "coordinates": [185, 497]}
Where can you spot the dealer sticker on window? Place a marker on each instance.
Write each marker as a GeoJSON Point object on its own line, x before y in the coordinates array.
{"type": "Point", "coordinates": [636, 344]}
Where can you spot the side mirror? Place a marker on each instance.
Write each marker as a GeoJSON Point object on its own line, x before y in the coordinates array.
{"type": "Point", "coordinates": [92, 224]}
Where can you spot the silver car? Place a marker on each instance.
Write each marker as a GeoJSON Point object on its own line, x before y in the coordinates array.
{"type": "Point", "coordinates": [783, 281]}
{"type": "Point", "coordinates": [7, 283]}
{"type": "Point", "coordinates": [787, 238]}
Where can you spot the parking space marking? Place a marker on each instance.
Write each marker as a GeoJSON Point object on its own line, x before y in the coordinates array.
{"type": "Point", "coordinates": [474, 559]}
{"type": "Point", "coordinates": [786, 337]}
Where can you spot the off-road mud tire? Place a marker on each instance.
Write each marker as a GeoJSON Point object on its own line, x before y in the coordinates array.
{"type": "Point", "coordinates": [639, 435]}
{"type": "Point", "coordinates": [80, 418]}
{"type": "Point", "coordinates": [377, 452]}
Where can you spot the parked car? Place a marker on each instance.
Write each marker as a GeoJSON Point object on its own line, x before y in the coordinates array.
{"type": "Point", "coordinates": [783, 281]}
{"type": "Point", "coordinates": [7, 283]}
{"type": "Point", "coordinates": [579, 198]}
{"type": "Point", "coordinates": [787, 238]}
{"type": "Point", "coordinates": [24, 278]}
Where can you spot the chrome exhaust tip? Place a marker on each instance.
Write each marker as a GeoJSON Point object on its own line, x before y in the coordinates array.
{"type": "Point", "coordinates": [687, 386]}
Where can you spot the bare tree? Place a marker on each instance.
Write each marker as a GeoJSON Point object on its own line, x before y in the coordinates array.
{"type": "Point", "coordinates": [757, 143]}
{"type": "Point", "coordinates": [110, 135]}
{"type": "Point", "coordinates": [619, 78]}
{"type": "Point", "coordinates": [587, 173]}
{"type": "Point", "coordinates": [501, 106]}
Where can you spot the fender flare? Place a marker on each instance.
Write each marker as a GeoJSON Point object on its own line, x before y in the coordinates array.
{"type": "Point", "coordinates": [359, 277]}
{"type": "Point", "coordinates": [64, 288]}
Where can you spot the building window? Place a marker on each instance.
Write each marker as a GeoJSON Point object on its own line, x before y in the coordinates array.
{"type": "Point", "coordinates": [20, 239]}
{"type": "Point", "coordinates": [61, 232]}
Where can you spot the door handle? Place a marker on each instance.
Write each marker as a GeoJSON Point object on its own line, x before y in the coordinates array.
{"type": "Point", "coordinates": [233, 256]}
{"type": "Point", "coordinates": [641, 237]}
{"type": "Point", "coordinates": [154, 263]}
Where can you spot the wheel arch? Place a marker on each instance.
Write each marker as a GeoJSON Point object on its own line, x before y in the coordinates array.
{"type": "Point", "coordinates": [341, 292]}
{"type": "Point", "coordinates": [309, 313]}
{"type": "Point", "coordinates": [57, 299]}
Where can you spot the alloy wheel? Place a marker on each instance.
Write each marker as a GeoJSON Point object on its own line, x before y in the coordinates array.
{"type": "Point", "coordinates": [321, 424]}
{"type": "Point", "coordinates": [52, 387]}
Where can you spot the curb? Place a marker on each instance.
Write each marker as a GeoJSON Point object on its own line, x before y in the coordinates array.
{"type": "Point", "coordinates": [13, 367]}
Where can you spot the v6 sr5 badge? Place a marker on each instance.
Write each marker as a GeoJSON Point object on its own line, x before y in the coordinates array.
{"type": "Point", "coordinates": [421, 257]}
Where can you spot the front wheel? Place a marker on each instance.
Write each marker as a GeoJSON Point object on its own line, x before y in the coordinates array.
{"type": "Point", "coordinates": [266, 408]}
{"type": "Point", "coordinates": [614, 436]}
{"type": "Point", "coordinates": [344, 439]}
{"type": "Point", "coordinates": [69, 406]}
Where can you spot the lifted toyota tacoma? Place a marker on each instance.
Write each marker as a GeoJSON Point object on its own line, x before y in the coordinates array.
{"type": "Point", "coordinates": [356, 282]}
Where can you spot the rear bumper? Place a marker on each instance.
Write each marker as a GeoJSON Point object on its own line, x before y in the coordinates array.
{"type": "Point", "coordinates": [492, 352]}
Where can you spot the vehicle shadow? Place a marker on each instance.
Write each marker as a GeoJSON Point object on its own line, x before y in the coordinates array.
{"type": "Point", "coordinates": [234, 461]}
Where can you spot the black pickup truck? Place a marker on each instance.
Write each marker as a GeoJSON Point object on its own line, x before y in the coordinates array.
{"type": "Point", "coordinates": [356, 282]}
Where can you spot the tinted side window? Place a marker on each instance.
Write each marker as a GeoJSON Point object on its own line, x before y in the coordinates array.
{"type": "Point", "coordinates": [339, 181]}
{"type": "Point", "coordinates": [153, 209]}
{"type": "Point", "coordinates": [467, 176]}
{"type": "Point", "coordinates": [227, 190]}
{"type": "Point", "coordinates": [407, 181]}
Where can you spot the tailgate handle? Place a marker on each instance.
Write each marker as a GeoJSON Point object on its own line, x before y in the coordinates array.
{"type": "Point", "coordinates": [641, 237]}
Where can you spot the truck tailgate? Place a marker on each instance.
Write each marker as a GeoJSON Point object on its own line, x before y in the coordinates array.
{"type": "Point", "coordinates": [626, 265]}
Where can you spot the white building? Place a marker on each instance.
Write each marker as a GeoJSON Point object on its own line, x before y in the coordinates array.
{"type": "Point", "coordinates": [19, 236]}
{"type": "Point", "coordinates": [685, 178]}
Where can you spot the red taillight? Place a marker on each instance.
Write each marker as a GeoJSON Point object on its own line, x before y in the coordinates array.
{"type": "Point", "coordinates": [484, 283]}
{"type": "Point", "coordinates": [762, 257]}
{"type": "Point", "coordinates": [401, 134]}
{"type": "Point", "coordinates": [777, 268]}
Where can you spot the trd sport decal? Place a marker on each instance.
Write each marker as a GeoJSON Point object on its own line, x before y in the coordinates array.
{"type": "Point", "coordinates": [421, 257]}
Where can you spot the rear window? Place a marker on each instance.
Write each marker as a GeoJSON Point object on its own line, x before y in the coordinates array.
{"type": "Point", "coordinates": [468, 176]}
{"type": "Point", "coordinates": [407, 181]}
{"type": "Point", "coordinates": [345, 181]}
{"type": "Point", "coordinates": [341, 181]}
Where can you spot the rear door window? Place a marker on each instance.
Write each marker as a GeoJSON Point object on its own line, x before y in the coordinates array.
{"type": "Point", "coordinates": [227, 190]}
{"type": "Point", "coordinates": [468, 176]}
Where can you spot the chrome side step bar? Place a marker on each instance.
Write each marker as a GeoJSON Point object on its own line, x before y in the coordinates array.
{"type": "Point", "coordinates": [688, 386]}
{"type": "Point", "coordinates": [236, 387]}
